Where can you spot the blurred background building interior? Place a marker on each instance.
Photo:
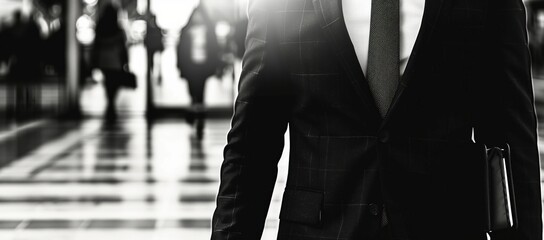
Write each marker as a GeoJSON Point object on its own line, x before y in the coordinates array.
{"type": "Point", "coordinates": [77, 163]}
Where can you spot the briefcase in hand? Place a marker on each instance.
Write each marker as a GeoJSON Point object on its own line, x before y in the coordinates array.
{"type": "Point", "coordinates": [501, 205]}
{"type": "Point", "coordinates": [128, 80]}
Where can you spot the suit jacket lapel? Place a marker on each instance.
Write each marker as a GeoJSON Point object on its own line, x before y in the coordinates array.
{"type": "Point", "coordinates": [431, 15]}
{"type": "Point", "coordinates": [334, 27]}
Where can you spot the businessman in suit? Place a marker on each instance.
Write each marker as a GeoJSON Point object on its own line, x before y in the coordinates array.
{"type": "Point", "coordinates": [389, 104]}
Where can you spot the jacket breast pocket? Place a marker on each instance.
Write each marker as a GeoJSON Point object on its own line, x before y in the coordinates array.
{"type": "Point", "coordinates": [302, 206]}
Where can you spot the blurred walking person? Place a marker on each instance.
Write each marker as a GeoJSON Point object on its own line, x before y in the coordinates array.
{"type": "Point", "coordinates": [25, 44]}
{"type": "Point", "coordinates": [153, 44]}
{"type": "Point", "coordinates": [198, 59]}
{"type": "Point", "coordinates": [110, 55]}
{"type": "Point", "coordinates": [4, 44]}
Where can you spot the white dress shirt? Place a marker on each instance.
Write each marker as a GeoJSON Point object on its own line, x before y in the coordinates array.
{"type": "Point", "coordinates": [357, 18]}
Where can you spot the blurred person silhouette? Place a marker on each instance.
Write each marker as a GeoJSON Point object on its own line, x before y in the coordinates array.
{"type": "Point", "coordinates": [4, 43]}
{"type": "Point", "coordinates": [56, 50]}
{"type": "Point", "coordinates": [390, 107]}
{"type": "Point", "coordinates": [153, 42]}
{"type": "Point", "coordinates": [110, 55]}
{"type": "Point", "coordinates": [56, 42]}
{"type": "Point", "coordinates": [4, 68]}
{"type": "Point", "coordinates": [25, 56]}
{"type": "Point", "coordinates": [198, 59]}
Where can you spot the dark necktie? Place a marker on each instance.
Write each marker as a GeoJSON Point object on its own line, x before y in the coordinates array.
{"type": "Point", "coordinates": [383, 52]}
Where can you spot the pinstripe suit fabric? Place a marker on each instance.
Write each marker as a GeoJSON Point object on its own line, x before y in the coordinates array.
{"type": "Point", "coordinates": [469, 69]}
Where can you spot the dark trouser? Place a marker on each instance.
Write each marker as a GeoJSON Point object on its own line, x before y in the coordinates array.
{"type": "Point", "coordinates": [23, 99]}
{"type": "Point", "coordinates": [197, 86]}
{"type": "Point", "coordinates": [151, 65]}
{"type": "Point", "coordinates": [111, 85]}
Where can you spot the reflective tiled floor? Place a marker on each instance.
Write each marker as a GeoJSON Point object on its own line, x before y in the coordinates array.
{"type": "Point", "coordinates": [132, 180]}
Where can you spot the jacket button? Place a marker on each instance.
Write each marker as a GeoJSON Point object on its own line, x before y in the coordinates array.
{"type": "Point", "coordinates": [373, 209]}
{"type": "Point", "coordinates": [384, 136]}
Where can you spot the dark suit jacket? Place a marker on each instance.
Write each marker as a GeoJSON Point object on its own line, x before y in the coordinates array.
{"type": "Point", "coordinates": [469, 70]}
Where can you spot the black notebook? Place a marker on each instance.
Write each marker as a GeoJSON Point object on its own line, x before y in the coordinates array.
{"type": "Point", "coordinates": [501, 205]}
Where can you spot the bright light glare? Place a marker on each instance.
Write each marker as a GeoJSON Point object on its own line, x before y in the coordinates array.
{"type": "Point", "coordinates": [222, 29]}
{"type": "Point", "coordinates": [85, 30]}
{"type": "Point", "coordinates": [91, 2]}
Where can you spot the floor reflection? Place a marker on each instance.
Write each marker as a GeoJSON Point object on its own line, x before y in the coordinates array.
{"type": "Point", "coordinates": [91, 180]}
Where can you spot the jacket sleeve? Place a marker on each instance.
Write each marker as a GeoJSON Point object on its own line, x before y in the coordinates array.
{"type": "Point", "coordinates": [508, 114]}
{"type": "Point", "coordinates": [256, 138]}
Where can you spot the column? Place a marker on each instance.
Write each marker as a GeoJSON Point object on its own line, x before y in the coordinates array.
{"type": "Point", "coordinates": [71, 88]}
